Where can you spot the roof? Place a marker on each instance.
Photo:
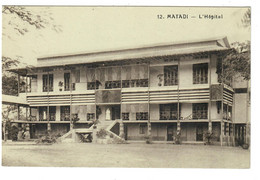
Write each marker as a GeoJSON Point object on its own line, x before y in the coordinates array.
{"type": "Point", "coordinates": [8, 99]}
{"type": "Point", "coordinates": [158, 50]}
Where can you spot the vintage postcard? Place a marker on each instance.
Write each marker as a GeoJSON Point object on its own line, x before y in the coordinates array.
{"type": "Point", "coordinates": [131, 87]}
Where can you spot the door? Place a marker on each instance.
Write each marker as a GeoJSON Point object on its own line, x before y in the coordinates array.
{"type": "Point", "coordinates": [32, 131]}
{"type": "Point", "coordinates": [170, 133]}
{"type": "Point", "coordinates": [115, 112]}
{"type": "Point", "coordinates": [199, 133]}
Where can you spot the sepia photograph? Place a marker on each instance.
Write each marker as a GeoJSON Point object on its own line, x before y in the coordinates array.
{"type": "Point", "coordinates": [126, 86]}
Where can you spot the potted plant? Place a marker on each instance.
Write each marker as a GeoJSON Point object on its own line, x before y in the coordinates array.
{"type": "Point", "coordinates": [75, 118]}
{"type": "Point", "coordinates": [60, 85]}
{"type": "Point", "coordinates": [160, 76]}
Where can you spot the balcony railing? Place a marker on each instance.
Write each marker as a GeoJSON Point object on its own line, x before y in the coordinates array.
{"type": "Point", "coordinates": [142, 116]}
{"type": "Point", "coordinates": [200, 114]}
{"type": "Point", "coordinates": [65, 116]}
{"type": "Point", "coordinates": [52, 117]}
{"type": "Point", "coordinates": [168, 115]}
{"type": "Point", "coordinates": [125, 116]}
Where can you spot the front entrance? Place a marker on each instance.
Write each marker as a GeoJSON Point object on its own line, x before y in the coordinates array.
{"type": "Point", "coordinates": [170, 132]}
{"type": "Point", "coordinates": [32, 131]}
{"type": "Point", "coordinates": [199, 133]}
{"type": "Point", "coordinates": [111, 112]}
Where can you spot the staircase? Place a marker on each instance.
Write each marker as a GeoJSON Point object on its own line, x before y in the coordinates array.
{"type": "Point", "coordinates": [75, 135]}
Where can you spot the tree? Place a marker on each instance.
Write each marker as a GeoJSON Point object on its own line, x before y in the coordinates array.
{"type": "Point", "coordinates": [21, 20]}
{"type": "Point", "coordinates": [238, 60]}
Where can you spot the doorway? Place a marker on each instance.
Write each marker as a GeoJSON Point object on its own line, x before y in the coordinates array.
{"type": "Point", "coordinates": [199, 133]}
{"type": "Point", "coordinates": [170, 132]}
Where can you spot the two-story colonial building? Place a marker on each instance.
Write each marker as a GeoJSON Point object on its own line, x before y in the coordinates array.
{"type": "Point", "coordinates": [153, 91]}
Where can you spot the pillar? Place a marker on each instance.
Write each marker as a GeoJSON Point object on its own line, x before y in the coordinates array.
{"type": "Point", "coordinates": [227, 133]}
{"type": "Point", "coordinates": [231, 134]}
{"type": "Point", "coordinates": [244, 134]}
{"type": "Point", "coordinates": [121, 129]}
{"type": "Point", "coordinates": [210, 127]}
{"type": "Point", "coordinates": [49, 127]}
{"type": "Point", "coordinates": [222, 124]}
{"type": "Point", "coordinates": [149, 130]}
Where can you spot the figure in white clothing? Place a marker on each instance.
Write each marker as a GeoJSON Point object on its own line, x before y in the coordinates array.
{"type": "Point", "coordinates": [108, 114]}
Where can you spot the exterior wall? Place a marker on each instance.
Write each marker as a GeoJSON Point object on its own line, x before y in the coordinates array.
{"type": "Point", "coordinates": [154, 112]}
{"type": "Point", "coordinates": [159, 132]}
{"type": "Point", "coordinates": [40, 130]}
{"type": "Point", "coordinates": [186, 109]}
{"type": "Point", "coordinates": [59, 129]}
{"type": "Point", "coordinates": [185, 74]}
{"type": "Point", "coordinates": [133, 132]}
{"type": "Point", "coordinates": [240, 108]}
{"type": "Point", "coordinates": [186, 71]}
{"type": "Point", "coordinates": [214, 75]}
{"type": "Point", "coordinates": [215, 115]}
{"type": "Point", "coordinates": [154, 72]}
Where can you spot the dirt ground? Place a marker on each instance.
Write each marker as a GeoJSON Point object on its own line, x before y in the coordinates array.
{"type": "Point", "coordinates": [125, 155]}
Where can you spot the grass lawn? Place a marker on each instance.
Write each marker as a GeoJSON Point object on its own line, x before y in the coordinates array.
{"type": "Point", "coordinates": [125, 155]}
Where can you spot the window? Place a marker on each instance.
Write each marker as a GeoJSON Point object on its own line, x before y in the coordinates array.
{"type": "Point", "coordinates": [169, 111]}
{"type": "Point", "coordinates": [47, 80]}
{"type": "Point", "coordinates": [170, 75]}
{"type": "Point", "coordinates": [200, 111]}
{"type": "Point", "coordinates": [90, 116]}
{"type": "Point", "coordinates": [142, 116]}
{"type": "Point", "coordinates": [125, 116]}
{"type": "Point", "coordinates": [112, 84]}
{"type": "Point", "coordinates": [43, 113]}
{"type": "Point", "coordinates": [229, 112]}
{"type": "Point", "coordinates": [66, 81]}
{"type": "Point", "coordinates": [65, 113]}
{"type": "Point", "coordinates": [142, 128]}
{"type": "Point", "coordinates": [200, 73]}
{"type": "Point", "coordinates": [52, 113]}
{"type": "Point", "coordinates": [225, 113]}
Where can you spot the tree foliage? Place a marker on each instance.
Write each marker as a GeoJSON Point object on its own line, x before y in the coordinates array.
{"type": "Point", "coordinates": [22, 16]}
{"type": "Point", "coordinates": [238, 61]}
{"type": "Point", "coordinates": [20, 19]}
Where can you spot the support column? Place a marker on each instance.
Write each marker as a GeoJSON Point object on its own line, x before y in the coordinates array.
{"type": "Point", "coordinates": [231, 134]}
{"type": "Point", "coordinates": [178, 105]}
{"type": "Point", "coordinates": [70, 86]}
{"type": "Point", "coordinates": [121, 129]}
{"type": "Point", "coordinates": [227, 134]}
{"type": "Point", "coordinates": [149, 126]}
{"type": "Point", "coordinates": [209, 107]}
{"type": "Point", "coordinates": [222, 124]}
{"type": "Point", "coordinates": [49, 127]}
{"type": "Point", "coordinates": [244, 134]}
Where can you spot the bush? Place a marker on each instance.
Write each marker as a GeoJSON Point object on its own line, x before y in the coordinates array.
{"type": "Point", "coordinates": [208, 138]}
{"type": "Point", "coordinates": [102, 133]}
{"type": "Point", "coordinates": [47, 139]}
{"type": "Point", "coordinates": [147, 140]}
{"type": "Point", "coordinates": [177, 138]}
{"type": "Point", "coordinates": [245, 146]}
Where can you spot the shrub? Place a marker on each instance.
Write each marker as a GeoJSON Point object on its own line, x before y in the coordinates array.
{"type": "Point", "coordinates": [47, 139]}
{"type": "Point", "coordinates": [208, 138]}
{"type": "Point", "coordinates": [177, 138]}
{"type": "Point", "coordinates": [147, 140]}
{"type": "Point", "coordinates": [101, 133]}
{"type": "Point", "coordinates": [245, 146]}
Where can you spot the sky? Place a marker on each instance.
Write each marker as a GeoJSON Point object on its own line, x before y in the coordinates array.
{"type": "Point", "coordinates": [87, 29]}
